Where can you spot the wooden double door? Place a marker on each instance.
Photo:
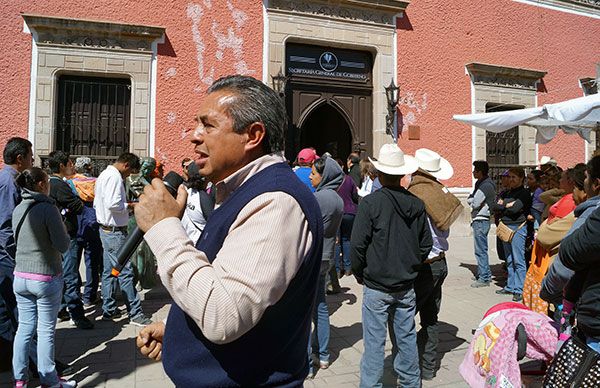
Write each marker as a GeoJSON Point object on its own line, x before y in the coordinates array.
{"type": "Point", "coordinates": [331, 118]}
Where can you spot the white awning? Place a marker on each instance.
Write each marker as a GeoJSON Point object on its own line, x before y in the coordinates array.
{"type": "Point", "coordinates": [579, 115]}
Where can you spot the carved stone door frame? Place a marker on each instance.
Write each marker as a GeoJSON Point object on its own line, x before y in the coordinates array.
{"type": "Point", "coordinates": [365, 25]}
{"type": "Point", "coordinates": [354, 104]}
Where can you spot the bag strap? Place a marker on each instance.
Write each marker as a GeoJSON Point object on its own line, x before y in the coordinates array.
{"type": "Point", "coordinates": [18, 229]}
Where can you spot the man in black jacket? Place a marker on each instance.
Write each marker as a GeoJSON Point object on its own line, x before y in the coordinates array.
{"type": "Point", "coordinates": [70, 205]}
{"type": "Point", "coordinates": [390, 239]}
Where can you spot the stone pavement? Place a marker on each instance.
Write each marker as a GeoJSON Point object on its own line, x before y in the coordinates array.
{"type": "Point", "coordinates": [107, 357]}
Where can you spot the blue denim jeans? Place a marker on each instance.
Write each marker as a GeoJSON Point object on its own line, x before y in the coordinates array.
{"type": "Point", "coordinates": [319, 341]}
{"type": "Point", "coordinates": [400, 307]}
{"type": "Point", "coordinates": [593, 343]}
{"type": "Point", "coordinates": [515, 260]}
{"type": "Point", "coordinates": [38, 304]}
{"type": "Point", "coordinates": [72, 294]}
{"type": "Point", "coordinates": [91, 247]}
{"type": "Point", "coordinates": [481, 228]}
{"type": "Point", "coordinates": [537, 215]}
{"type": "Point", "coordinates": [111, 242]}
{"type": "Point", "coordinates": [343, 247]}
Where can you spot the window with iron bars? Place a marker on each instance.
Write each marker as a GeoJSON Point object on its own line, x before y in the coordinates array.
{"type": "Point", "coordinates": [93, 118]}
{"type": "Point", "coordinates": [502, 149]}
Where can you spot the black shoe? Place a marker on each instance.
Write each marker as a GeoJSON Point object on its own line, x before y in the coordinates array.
{"type": "Point", "coordinates": [140, 320]}
{"type": "Point", "coordinates": [82, 323]}
{"type": "Point", "coordinates": [503, 292]}
{"type": "Point", "coordinates": [63, 369]}
{"type": "Point", "coordinates": [333, 291]}
{"type": "Point", "coordinates": [111, 317]}
{"type": "Point", "coordinates": [63, 315]}
{"type": "Point", "coordinates": [517, 297]}
{"type": "Point", "coordinates": [93, 302]}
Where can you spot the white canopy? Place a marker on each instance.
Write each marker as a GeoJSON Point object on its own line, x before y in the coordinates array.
{"type": "Point", "coordinates": [579, 115]}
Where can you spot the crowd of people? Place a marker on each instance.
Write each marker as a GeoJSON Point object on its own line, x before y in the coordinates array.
{"type": "Point", "coordinates": [52, 219]}
{"type": "Point", "coordinates": [249, 249]}
{"type": "Point", "coordinates": [545, 224]}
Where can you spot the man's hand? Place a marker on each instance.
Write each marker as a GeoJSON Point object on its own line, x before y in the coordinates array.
{"type": "Point", "coordinates": [156, 204]}
{"type": "Point", "coordinates": [150, 340]}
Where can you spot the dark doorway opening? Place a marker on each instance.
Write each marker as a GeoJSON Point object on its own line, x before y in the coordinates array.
{"type": "Point", "coordinates": [327, 130]}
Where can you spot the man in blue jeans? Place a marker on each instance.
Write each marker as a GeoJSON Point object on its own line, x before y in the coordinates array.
{"type": "Point", "coordinates": [390, 240]}
{"type": "Point", "coordinates": [112, 213]}
{"type": "Point", "coordinates": [481, 201]}
{"type": "Point", "coordinates": [18, 156]}
{"type": "Point", "coordinates": [61, 166]}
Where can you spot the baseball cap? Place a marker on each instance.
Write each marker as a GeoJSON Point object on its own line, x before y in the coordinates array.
{"type": "Point", "coordinates": [307, 155]}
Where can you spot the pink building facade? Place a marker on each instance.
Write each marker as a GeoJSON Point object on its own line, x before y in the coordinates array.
{"type": "Point", "coordinates": [99, 78]}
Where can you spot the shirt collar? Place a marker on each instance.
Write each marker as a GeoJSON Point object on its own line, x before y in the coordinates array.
{"type": "Point", "coordinates": [114, 170]}
{"type": "Point", "coordinates": [13, 171]}
{"type": "Point", "coordinates": [235, 180]}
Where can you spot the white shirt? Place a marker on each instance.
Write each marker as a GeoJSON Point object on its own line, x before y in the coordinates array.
{"type": "Point", "coordinates": [110, 201]}
{"type": "Point", "coordinates": [440, 240]}
{"type": "Point", "coordinates": [366, 188]}
{"type": "Point", "coordinates": [193, 220]}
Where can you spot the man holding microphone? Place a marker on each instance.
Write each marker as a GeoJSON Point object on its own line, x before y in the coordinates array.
{"type": "Point", "coordinates": [243, 295]}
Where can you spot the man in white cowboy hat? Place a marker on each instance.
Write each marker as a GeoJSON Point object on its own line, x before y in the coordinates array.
{"type": "Point", "coordinates": [547, 160]}
{"type": "Point", "coordinates": [442, 208]}
{"type": "Point", "coordinates": [390, 237]}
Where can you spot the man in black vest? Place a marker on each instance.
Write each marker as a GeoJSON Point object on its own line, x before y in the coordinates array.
{"type": "Point", "coordinates": [243, 297]}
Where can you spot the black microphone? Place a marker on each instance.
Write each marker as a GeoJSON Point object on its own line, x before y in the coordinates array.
{"type": "Point", "coordinates": [172, 181]}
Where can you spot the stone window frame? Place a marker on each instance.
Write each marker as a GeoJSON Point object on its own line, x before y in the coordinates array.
{"type": "Point", "coordinates": [92, 48]}
{"type": "Point", "coordinates": [504, 85]}
{"type": "Point", "coordinates": [368, 25]}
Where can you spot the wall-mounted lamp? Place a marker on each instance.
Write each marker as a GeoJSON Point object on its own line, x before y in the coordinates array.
{"type": "Point", "coordinates": [392, 94]}
{"type": "Point", "coordinates": [279, 81]}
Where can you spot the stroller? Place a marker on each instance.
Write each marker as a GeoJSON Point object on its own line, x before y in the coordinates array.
{"type": "Point", "coordinates": [508, 333]}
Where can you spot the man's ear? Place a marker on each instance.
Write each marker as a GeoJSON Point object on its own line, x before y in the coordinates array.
{"type": "Point", "coordinates": [255, 135]}
{"type": "Point", "coordinates": [596, 185]}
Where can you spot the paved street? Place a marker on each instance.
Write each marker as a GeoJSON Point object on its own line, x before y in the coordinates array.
{"type": "Point", "coordinates": [107, 357]}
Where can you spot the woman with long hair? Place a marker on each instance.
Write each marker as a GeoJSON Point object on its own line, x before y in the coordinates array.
{"type": "Point", "coordinates": [41, 238]}
{"type": "Point", "coordinates": [514, 206]}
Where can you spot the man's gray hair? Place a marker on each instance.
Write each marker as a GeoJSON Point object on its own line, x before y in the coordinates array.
{"type": "Point", "coordinates": [255, 102]}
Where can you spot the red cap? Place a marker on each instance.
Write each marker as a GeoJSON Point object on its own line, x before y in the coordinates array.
{"type": "Point", "coordinates": [307, 155]}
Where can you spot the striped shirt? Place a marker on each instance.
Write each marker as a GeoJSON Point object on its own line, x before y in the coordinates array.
{"type": "Point", "coordinates": [259, 258]}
